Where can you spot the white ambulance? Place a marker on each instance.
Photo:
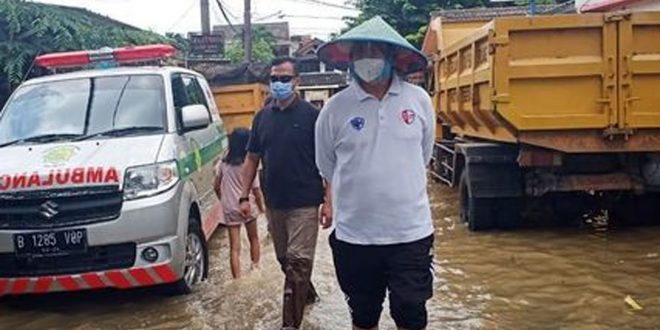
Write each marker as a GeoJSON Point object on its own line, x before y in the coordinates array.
{"type": "Point", "coordinates": [105, 174]}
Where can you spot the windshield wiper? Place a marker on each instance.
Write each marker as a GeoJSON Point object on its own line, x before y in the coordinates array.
{"type": "Point", "coordinates": [42, 138]}
{"type": "Point", "coordinates": [122, 132]}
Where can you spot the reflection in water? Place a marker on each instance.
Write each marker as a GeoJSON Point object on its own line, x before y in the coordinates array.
{"type": "Point", "coordinates": [542, 278]}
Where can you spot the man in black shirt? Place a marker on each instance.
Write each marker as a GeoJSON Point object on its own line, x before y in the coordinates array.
{"type": "Point", "coordinates": [283, 139]}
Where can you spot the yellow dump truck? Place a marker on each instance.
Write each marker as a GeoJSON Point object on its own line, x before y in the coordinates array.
{"type": "Point", "coordinates": [558, 112]}
{"type": "Point", "coordinates": [238, 104]}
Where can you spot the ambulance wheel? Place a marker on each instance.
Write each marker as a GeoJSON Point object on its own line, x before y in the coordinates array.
{"type": "Point", "coordinates": [196, 261]}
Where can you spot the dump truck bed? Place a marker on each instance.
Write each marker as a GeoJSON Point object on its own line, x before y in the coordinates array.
{"type": "Point", "coordinates": [573, 83]}
{"type": "Point", "coordinates": [238, 104]}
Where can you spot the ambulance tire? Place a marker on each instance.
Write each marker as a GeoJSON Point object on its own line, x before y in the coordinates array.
{"type": "Point", "coordinates": [194, 242]}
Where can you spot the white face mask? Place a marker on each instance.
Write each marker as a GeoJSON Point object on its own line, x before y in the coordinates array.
{"type": "Point", "coordinates": [369, 69]}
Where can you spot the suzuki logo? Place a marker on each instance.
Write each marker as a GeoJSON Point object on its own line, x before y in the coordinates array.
{"type": "Point", "coordinates": [49, 210]}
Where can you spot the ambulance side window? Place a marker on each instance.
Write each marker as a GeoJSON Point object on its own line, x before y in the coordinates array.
{"type": "Point", "coordinates": [194, 91]}
{"type": "Point", "coordinates": [186, 91]}
{"type": "Point", "coordinates": [178, 92]}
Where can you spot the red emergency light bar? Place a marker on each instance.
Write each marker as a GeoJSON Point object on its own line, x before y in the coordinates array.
{"type": "Point", "coordinates": [118, 55]}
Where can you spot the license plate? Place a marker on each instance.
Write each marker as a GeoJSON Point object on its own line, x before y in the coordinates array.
{"type": "Point", "coordinates": [51, 242]}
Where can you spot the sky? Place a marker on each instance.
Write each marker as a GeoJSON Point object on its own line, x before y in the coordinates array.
{"type": "Point", "coordinates": [183, 16]}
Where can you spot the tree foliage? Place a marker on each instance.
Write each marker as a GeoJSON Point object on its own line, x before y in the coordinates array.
{"type": "Point", "coordinates": [263, 46]}
{"type": "Point", "coordinates": [411, 17]}
{"type": "Point", "coordinates": [180, 41]}
{"type": "Point", "coordinates": [28, 29]}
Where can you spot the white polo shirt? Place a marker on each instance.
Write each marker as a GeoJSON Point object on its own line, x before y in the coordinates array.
{"type": "Point", "coordinates": [375, 153]}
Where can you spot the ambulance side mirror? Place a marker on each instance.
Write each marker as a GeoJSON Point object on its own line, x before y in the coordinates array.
{"type": "Point", "coordinates": [195, 117]}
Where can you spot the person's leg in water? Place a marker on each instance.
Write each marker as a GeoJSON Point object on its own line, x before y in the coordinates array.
{"type": "Point", "coordinates": [235, 251]}
{"type": "Point", "coordinates": [302, 229]}
{"type": "Point", "coordinates": [253, 237]}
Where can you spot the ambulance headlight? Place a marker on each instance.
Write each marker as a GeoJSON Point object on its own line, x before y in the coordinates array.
{"type": "Point", "coordinates": [149, 180]}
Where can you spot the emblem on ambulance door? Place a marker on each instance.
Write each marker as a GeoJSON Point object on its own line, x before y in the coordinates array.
{"type": "Point", "coordinates": [408, 116]}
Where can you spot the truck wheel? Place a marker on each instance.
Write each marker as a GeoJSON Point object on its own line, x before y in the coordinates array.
{"type": "Point", "coordinates": [634, 210]}
{"type": "Point", "coordinates": [478, 213]}
{"type": "Point", "coordinates": [195, 262]}
{"type": "Point", "coordinates": [509, 212]}
{"type": "Point", "coordinates": [488, 213]}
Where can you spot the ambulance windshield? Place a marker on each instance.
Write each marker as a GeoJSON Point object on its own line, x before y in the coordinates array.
{"type": "Point", "coordinates": [67, 109]}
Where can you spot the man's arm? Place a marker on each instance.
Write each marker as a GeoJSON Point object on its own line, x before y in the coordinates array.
{"type": "Point", "coordinates": [249, 173]}
{"type": "Point", "coordinates": [258, 195]}
{"type": "Point", "coordinates": [250, 165]}
{"type": "Point", "coordinates": [325, 161]}
{"type": "Point", "coordinates": [324, 144]}
{"type": "Point", "coordinates": [325, 217]}
{"type": "Point", "coordinates": [428, 141]}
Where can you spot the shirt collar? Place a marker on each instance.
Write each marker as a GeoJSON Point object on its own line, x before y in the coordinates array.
{"type": "Point", "coordinates": [273, 104]}
{"type": "Point", "coordinates": [362, 95]}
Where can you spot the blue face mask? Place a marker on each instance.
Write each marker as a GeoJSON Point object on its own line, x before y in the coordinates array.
{"type": "Point", "coordinates": [280, 90]}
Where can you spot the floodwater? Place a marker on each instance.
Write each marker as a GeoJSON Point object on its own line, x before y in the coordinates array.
{"type": "Point", "coordinates": [540, 278]}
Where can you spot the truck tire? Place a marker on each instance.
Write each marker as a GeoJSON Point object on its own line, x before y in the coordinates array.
{"type": "Point", "coordinates": [637, 210]}
{"type": "Point", "coordinates": [488, 213]}
{"type": "Point", "coordinates": [196, 262]}
{"type": "Point", "coordinates": [509, 212]}
{"type": "Point", "coordinates": [477, 213]}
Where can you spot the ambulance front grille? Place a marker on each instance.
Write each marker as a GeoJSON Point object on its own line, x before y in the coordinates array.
{"type": "Point", "coordinates": [59, 208]}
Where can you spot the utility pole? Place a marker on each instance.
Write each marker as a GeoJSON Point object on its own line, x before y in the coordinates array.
{"type": "Point", "coordinates": [247, 31]}
{"type": "Point", "coordinates": [206, 23]}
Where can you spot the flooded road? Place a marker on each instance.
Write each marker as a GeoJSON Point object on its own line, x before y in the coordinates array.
{"type": "Point", "coordinates": [542, 278]}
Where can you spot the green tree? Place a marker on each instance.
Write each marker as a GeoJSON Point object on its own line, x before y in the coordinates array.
{"type": "Point", "coordinates": [28, 29]}
{"type": "Point", "coordinates": [263, 46]}
{"type": "Point", "coordinates": [179, 41]}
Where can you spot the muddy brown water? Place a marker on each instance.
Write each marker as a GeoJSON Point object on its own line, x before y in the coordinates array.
{"type": "Point", "coordinates": [541, 278]}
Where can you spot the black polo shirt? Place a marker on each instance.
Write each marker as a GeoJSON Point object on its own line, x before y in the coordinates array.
{"type": "Point", "coordinates": [284, 139]}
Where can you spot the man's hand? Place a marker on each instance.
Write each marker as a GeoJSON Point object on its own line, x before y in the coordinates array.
{"type": "Point", "coordinates": [325, 215]}
{"type": "Point", "coordinates": [246, 210]}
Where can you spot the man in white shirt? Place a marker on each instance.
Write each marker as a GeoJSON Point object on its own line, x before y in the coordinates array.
{"type": "Point", "coordinates": [373, 143]}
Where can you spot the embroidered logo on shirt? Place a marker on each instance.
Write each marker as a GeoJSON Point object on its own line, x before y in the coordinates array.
{"type": "Point", "coordinates": [357, 123]}
{"type": "Point", "coordinates": [408, 116]}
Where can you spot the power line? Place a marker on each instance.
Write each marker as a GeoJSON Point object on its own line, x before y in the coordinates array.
{"type": "Point", "coordinates": [316, 29]}
{"type": "Point", "coordinates": [230, 11]}
{"type": "Point", "coordinates": [222, 9]}
{"type": "Point", "coordinates": [325, 3]}
{"type": "Point", "coordinates": [337, 18]}
{"type": "Point", "coordinates": [217, 16]}
{"type": "Point", "coordinates": [185, 13]}
{"type": "Point", "coordinates": [272, 15]}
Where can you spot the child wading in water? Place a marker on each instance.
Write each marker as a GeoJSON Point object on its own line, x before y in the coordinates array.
{"type": "Point", "coordinates": [228, 189]}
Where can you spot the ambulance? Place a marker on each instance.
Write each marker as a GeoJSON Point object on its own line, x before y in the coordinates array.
{"type": "Point", "coordinates": [106, 174]}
